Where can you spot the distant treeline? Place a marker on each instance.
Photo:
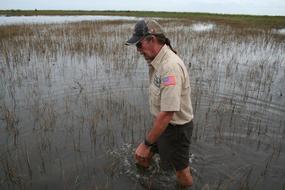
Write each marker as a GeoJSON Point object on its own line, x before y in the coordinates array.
{"type": "Point", "coordinates": [235, 20]}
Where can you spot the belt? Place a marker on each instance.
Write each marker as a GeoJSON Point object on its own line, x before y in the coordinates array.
{"type": "Point", "coordinates": [180, 126]}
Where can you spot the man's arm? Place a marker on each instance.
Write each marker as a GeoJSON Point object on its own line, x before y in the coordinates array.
{"type": "Point", "coordinates": [159, 125]}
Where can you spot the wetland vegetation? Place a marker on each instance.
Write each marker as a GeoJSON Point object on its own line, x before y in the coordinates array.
{"type": "Point", "coordinates": [73, 103]}
{"type": "Point", "coordinates": [237, 20]}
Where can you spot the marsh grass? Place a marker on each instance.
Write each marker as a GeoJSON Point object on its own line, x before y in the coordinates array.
{"type": "Point", "coordinates": [73, 92]}
{"type": "Point", "coordinates": [235, 20]}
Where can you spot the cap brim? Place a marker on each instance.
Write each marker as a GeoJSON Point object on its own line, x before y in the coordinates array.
{"type": "Point", "coordinates": [133, 40]}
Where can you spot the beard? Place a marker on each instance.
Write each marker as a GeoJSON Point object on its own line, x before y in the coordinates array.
{"type": "Point", "coordinates": [148, 59]}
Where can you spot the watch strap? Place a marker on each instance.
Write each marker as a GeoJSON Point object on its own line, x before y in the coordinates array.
{"type": "Point", "coordinates": [147, 143]}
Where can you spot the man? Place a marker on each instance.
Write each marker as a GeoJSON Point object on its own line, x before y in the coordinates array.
{"type": "Point", "coordinates": [169, 101]}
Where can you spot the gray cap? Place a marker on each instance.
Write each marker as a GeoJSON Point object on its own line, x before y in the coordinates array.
{"type": "Point", "coordinates": [144, 28]}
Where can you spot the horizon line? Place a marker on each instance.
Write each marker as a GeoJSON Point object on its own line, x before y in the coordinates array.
{"type": "Point", "coordinates": [177, 12]}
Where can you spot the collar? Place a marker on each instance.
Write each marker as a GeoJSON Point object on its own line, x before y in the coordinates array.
{"type": "Point", "coordinates": [158, 58]}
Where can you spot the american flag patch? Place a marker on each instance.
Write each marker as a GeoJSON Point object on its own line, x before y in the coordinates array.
{"type": "Point", "coordinates": [169, 80]}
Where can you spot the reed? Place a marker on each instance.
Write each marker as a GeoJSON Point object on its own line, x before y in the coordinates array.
{"type": "Point", "coordinates": [78, 91]}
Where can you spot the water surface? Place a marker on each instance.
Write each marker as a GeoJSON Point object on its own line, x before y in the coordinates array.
{"type": "Point", "coordinates": [9, 20]}
{"type": "Point", "coordinates": [74, 106]}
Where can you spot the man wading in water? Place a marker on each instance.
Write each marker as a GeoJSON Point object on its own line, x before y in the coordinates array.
{"type": "Point", "coordinates": [169, 101]}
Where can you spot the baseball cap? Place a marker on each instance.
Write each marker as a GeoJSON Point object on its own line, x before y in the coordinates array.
{"type": "Point", "coordinates": [144, 28]}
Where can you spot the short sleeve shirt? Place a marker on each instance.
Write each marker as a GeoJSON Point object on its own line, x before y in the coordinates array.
{"type": "Point", "coordinates": [169, 88]}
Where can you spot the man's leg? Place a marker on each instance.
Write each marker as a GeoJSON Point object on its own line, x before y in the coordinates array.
{"type": "Point", "coordinates": [184, 177]}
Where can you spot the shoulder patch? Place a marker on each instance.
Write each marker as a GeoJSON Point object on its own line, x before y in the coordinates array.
{"type": "Point", "coordinates": [168, 81]}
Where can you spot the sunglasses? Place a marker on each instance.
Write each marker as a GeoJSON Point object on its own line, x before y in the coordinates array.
{"type": "Point", "coordinates": [139, 45]}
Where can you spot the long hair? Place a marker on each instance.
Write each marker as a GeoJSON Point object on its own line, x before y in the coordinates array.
{"type": "Point", "coordinates": [162, 39]}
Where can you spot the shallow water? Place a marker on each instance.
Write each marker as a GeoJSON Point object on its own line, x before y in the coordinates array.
{"type": "Point", "coordinates": [11, 20]}
{"type": "Point", "coordinates": [74, 107]}
{"type": "Point", "coordinates": [203, 27]}
{"type": "Point", "coordinates": [279, 31]}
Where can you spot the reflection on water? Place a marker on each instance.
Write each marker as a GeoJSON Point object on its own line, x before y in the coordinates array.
{"type": "Point", "coordinates": [199, 27]}
{"type": "Point", "coordinates": [73, 106]}
{"type": "Point", "coordinates": [9, 20]}
{"type": "Point", "coordinates": [279, 31]}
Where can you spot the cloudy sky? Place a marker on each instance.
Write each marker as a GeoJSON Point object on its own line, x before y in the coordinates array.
{"type": "Point", "coordinates": [253, 7]}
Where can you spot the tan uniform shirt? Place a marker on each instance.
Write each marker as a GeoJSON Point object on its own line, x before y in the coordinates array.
{"type": "Point", "coordinates": [169, 88]}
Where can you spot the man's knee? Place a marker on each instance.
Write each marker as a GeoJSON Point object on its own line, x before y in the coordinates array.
{"type": "Point", "coordinates": [184, 177]}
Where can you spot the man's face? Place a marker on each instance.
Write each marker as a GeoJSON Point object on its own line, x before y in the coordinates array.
{"type": "Point", "coordinates": [145, 47]}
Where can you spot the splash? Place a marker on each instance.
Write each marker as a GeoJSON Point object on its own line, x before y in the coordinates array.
{"type": "Point", "coordinates": [151, 178]}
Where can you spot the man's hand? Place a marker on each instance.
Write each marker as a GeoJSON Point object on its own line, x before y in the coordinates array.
{"type": "Point", "coordinates": [143, 155]}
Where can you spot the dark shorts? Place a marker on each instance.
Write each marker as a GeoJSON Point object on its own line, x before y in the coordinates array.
{"type": "Point", "coordinates": [173, 146]}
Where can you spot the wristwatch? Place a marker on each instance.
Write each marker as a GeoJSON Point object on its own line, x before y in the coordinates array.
{"type": "Point", "coordinates": [147, 143]}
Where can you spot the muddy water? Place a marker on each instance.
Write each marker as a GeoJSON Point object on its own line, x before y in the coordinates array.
{"type": "Point", "coordinates": [74, 106]}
